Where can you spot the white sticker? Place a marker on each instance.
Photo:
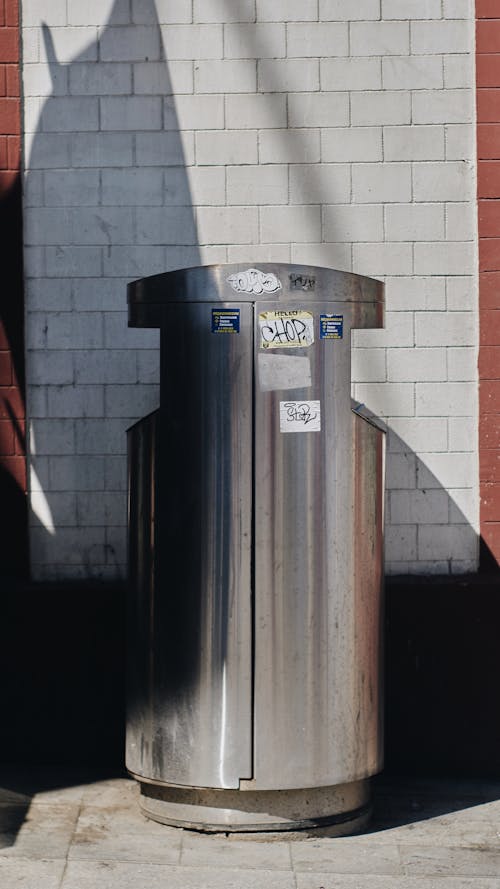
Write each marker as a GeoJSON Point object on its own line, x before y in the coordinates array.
{"type": "Point", "coordinates": [254, 281]}
{"type": "Point", "coordinates": [286, 330]}
{"type": "Point", "coordinates": [300, 416]}
{"type": "Point", "coordinates": [283, 371]}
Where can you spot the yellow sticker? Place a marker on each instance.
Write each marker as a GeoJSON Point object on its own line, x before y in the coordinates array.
{"type": "Point", "coordinates": [286, 330]}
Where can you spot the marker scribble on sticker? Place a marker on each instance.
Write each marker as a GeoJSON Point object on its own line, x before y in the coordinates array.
{"type": "Point", "coordinates": [300, 416]}
{"type": "Point", "coordinates": [254, 281]}
{"type": "Point", "coordinates": [286, 329]}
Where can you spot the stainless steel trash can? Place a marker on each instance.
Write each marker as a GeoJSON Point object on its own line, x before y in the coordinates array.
{"type": "Point", "coordinates": [256, 523]}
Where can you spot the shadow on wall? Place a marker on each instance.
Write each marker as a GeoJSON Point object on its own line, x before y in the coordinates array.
{"type": "Point", "coordinates": [13, 538]}
{"type": "Point", "coordinates": [108, 200]}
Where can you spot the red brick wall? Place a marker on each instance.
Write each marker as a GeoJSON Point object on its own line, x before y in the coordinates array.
{"type": "Point", "coordinates": [12, 411]}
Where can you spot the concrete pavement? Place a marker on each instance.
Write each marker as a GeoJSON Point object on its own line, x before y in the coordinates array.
{"type": "Point", "coordinates": [67, 830]}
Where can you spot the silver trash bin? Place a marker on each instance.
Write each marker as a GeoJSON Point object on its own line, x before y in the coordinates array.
{"type": "Point", "coordinates": [256, 524]}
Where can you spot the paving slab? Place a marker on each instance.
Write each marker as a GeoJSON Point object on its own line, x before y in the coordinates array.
{"type": "Point", "coordinates": [21, 873]}
{"type": "Point", "coordinates": [346, 855]}
{"type": "Point", "coordinates": [45, 832]}
{"type": "Point", "coordinates": [368, 881]}
{"type": "Point", "coordinates": [121, 833]}
{"type": "Point", "coordinates": [118, 875]}
{"type": "Point", "coordinates": [448, 861]}
{"type": "Point", "coordinates": [231, 852]}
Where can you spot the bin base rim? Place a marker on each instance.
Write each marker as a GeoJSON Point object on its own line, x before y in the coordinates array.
{"type": "Point", "coordinates": [336, 810]}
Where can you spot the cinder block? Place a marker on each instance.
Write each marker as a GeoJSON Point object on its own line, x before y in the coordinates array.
{"type": "Point", "coordinates": [414, 143]}
{"type": "Point", "coordinates": [461, 431]}
{"type": "Point", "coordinates": [101, 150]}
{"type": "Point", "coordinates": [381, 182]}
{"type": "Point", "coordinates": [131, 113]}
{"type": "Point", "coordinates": [321, 39]}
{"type": "Point", "coordinates": [458, 71]}
{"type": "Point", "coordinates": [375, 260]}
{"type": "Point", "coordinates": [401, 471]}
{"type": "Point", "coordinates": [34, 262]}
{"type": "Point", "coordinates": [288, 75]}
{"type": "Point", "coordinates": [446, 470]}
{"type": "Point", "coordinates": [59, 510]}
{"type": "Point", "coordinates": [414, 222]}
{"type": "Point", "coordinates": [461, 294]}
{"type": "Point", "coordinates": [227, 225]}
{"type": "Point", "coordinates": [49, 367]}
{"type": "Point", "coordinates": [460, 142]}
{"type": "Point", "coordinates": [461, 222]}
{"type": "Point", "coordinates": [71, 188]}
{"type": "Point", "coordinates": [401, 543]}
{"type": "Point", "coordinates": [109, 438]}
{"type": "Point", "coordinates": [38, 80]}
{"type": "Point", "coordinates": [411, 9]}
{"type": "Point", "coordinates": [104, 366]}
{"type": "Point", "coordinates": [192, 41]}
{"type": "Point", "coordinates": [164, 149]}
{"type": "Point", "coordinates": [286, 10]}
{"type": "Point", "coordinates": [38, 469]}
{"type": "Point", "coordinates": [443, 106]}
{"type": "Point", "coordinates": [115, 473]}
{"type": "Point", "coordinates": [52, 436]}
{"type": "Point", "coordinates": [444, 329]}
{"type": "Point", "coordinates": [335, 256]}
{"type": "Point", "coordinates": [350, 74]}
{"type": "Point", "coordinates": [258, 253]}
{"type": "Point", "coordinates": [36, 405]}
{"type": "Point", "coordinates": [410, 294]}
{"type": "Point", "coordinates": [118, 335]}
{"type": "Point", "coordinates": [102, 225]}
{"type": "Point", "coordinates": [258, 111]}
{"type": "Point", "coordinates": [462, 364]}
{"type": "Point", "coordinates": [318, 109]}
{"type": "Point", "coordinates": [70, 330]}
{"type": "Point", "coordinates": [36, 330]}
{"type": "Point", "coordinates": [441, 37]}
{"type": "Point", "coordinates": [376, 108]}
{"type": "Point", "coordinates": [446, 181]}
{"type": "Point", "coordinates": [30, 43]}
{"type": "Point", "coordinates": [203, 254]}
{"type": "Point", "coordinates": [380, 38]}
{"type": "Point", "coordinates": [412, 434]}
{"type": "Point", "coordinates": [75, 401]}
{"type": "Point", "coordinates": [69, 262]}
{"type": "Point", "coordinates": [133, 187]}
{"type": "Point", "coordinates": [133, 262]}
{"type": "Point", "coordinates": [261, 41]}
{"type": "Point", "coordinates": [166, 225]}
{"type": "Point", "coordinates": [298, 223]}
{"type": "Point", "coordinates": [163, 11]}
{"type": "Point", "coordinates": [351, 144]}
{"type": "Point", "coordinates": [65, 114]}
{"type": "Point", "coordinates": [221, 11]}
{"type": "Point", "coordinates": [47, 151]}
{"type": "Point", "coordinates": [48, 226]}
{"type": "Point", "coordinates": [103, 294]}
{"type": "Point", "coordinates": [345, 10]}
{"type": "Point", "coordinates": [398, 331]}
{"type": "Point", "coordinates": [135, 43]}
{"type": "Point", "coordinates": [368, 365]}
{"type": "Point", "coordinates": [257, 184]}
{"type": "Point", "coordinates": [289, 146]}
{"type": "Point", "coordinates": [105, 79]}
{"type": "Point", "coordinates": [91, 12]}
{"type": "Point", "coordinates": [387, 400]}
{"type": "Point", "coordinates": [148, 366]}
{"type": "Point", "coordinates": [48, 294]}
{"type": "Point", "coordinates": [206, 186]}
{"type": "Point", "coordinates": [226, 76]}
{"type": "Point", "coordinates": [131, 401]}
{"type": "Point", "coordinates": [412, 72]}
{"type": "Point", "coordinates": [416, 365]}
{"type": "Point", "coordinates": [156, 78]}
{"type": "Point", "coordinates": [349, 222]}
{"type": "Point", "coordinates": [107, 508]}
{"type": "Point", "coordinates": [452, 258]}
{"type": "Point", "coordinates": [418, 507]}
{"type": "Point", "coordinates": [71, 43]}
{"type": "Point", "coordinates": [53, 11]}
{"type": "Point", "coordinates": [193, 112]}
{"type": "Point", "coordinates": [224, 147]}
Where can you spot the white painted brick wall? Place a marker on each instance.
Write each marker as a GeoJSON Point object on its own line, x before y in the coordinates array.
{"type": "Point", "coordinates": [183, 132]}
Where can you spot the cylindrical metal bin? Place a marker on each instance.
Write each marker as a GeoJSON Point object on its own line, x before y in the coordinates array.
{"type": "Point", "coordinates": [256, 523]}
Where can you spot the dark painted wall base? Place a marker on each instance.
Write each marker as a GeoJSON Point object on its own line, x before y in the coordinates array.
{"type": "Point", "coordinates": [62, 669]}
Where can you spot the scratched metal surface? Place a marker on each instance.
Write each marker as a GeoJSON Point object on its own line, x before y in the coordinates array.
{"type": "Point", "coordinates": [305, 711]}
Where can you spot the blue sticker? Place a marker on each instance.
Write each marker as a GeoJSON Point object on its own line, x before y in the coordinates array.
{"type": "Point", "coordinates": [331, 327]}
{"type": "Point", "coordinates": [225, 320]}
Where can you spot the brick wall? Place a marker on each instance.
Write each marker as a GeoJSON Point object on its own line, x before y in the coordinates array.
{"type": "Point", "coordinates": [177, 133]}
{"type": "Point", "coordinates": [12, 412]}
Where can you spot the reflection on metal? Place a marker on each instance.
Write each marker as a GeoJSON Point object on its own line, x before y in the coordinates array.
{"type": "Point", "coordinates": [256, 559]}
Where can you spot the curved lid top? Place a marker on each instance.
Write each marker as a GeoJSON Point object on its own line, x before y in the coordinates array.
{"type": "Point", "coordinates": [244, 282]}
